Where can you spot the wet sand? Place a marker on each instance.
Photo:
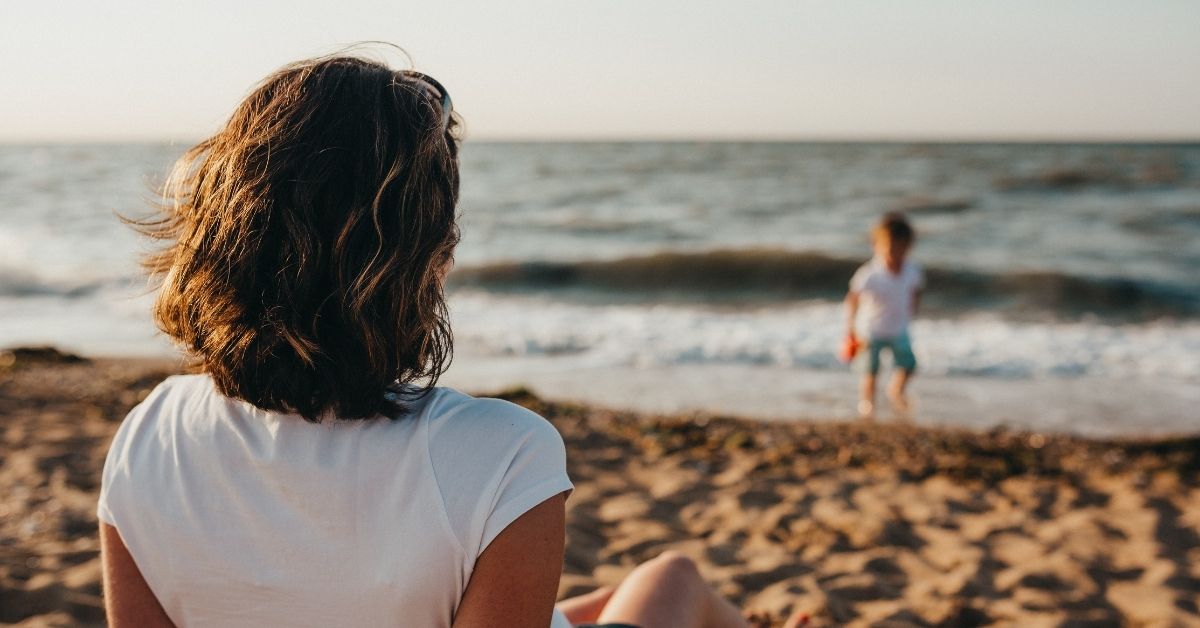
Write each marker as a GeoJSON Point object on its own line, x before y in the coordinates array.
{"type": "Point", "coordinates": [857, 524]}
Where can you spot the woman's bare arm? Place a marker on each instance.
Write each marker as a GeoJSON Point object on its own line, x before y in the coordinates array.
{"type": "Point", "coordinates": [516, 578]}
{"type": "Point", "coordinates": [128, 600]}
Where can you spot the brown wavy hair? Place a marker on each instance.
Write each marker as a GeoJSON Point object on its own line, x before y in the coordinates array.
{"type": "Point", "coordinates": [307, 241]}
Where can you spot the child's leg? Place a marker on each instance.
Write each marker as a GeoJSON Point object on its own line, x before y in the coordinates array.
{"type": "Point", "coordinates": [906, 365]}
{"type": "Point", "coordinates": [897, 387]}
{"type": "Point", "coordinates": [866, 395]}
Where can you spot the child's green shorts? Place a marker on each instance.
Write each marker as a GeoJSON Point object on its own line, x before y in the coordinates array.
{"type": "Point", "coordinates": [901, 349]}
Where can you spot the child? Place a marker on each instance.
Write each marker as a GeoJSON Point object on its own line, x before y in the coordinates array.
{"type": "Point", "coordinates": [888, 287]}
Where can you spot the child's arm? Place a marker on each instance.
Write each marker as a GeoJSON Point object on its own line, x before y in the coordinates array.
{"type": "Point", "coordinates": [851, 311]}
{"type": "Point", "coordinates": [850, 343]}
{"type": "Point", "coordinates": [918, 287]}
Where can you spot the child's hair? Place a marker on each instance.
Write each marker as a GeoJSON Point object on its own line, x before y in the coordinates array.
{"type": "Point", "coordinates": [896, 228]}
{"type": "Point", "coordinates": [307, 239]}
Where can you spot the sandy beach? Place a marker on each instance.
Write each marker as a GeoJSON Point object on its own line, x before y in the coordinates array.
{"type": "Point", "coordinates": [856, 524]}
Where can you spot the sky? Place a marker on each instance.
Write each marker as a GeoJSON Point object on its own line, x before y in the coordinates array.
{"type": "Point", "coordinates": [120, 70]}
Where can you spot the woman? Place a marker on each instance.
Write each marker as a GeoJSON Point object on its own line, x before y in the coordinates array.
{"type": "Point", "coordinates": [311, 473]}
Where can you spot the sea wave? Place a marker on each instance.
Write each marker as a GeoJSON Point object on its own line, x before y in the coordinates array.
{"type": "Point", "coordinates": [20, 284]}
{"type": "Point", "coordinates": [747, 276]}
{"type": "Point", "coordinates": [806, 335]}
{"type": "Point", "coordinates": [1161, 171]}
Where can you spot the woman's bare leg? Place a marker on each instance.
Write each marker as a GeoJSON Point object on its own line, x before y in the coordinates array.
{"type": "Point", "coordinates": [668, 592]}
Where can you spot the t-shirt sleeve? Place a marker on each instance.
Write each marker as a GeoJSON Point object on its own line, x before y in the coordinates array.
{"type": "Point", "coordinates": [115, 472]}
{"type": "Point", "coordinates": [115, 480]}
{"type": "Point", "coordinates": [494, 461]}
{"type": "Point", "coordinates": [859, 281]}
{"type": "Point", "coordinates": [918, 277]}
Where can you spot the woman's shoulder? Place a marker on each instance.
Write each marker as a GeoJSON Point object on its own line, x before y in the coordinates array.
{"type": "Point", "coordinates": [492, 461]}
{"type": "Point", "coordinates": [171, 393]}
{"type": "Point", "coordinates": [453, 413]}
{"type": "Point", "coordinates": [183, 385]}
{"type": "Point", "coordinates": [138, 446]}
{"type": "Point", "coordinates": [488, 435]}
{"type": "Point", "coordinates": [182, 398]}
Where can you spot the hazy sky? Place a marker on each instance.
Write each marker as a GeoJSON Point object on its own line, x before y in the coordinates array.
{"type": "Point", "coordinates": [534, 69]}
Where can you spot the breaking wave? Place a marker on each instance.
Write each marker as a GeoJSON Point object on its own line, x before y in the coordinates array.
{"type": "Point", "coordinates": [745, 276]}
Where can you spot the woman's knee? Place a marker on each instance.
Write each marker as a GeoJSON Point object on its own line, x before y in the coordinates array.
{"type": "Point", "coordinates": [674, 566]}
{"type": "Point", "coordinates": [663, 591]}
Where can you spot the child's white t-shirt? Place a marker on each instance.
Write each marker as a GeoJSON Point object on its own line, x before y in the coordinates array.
{"type": "Point", "coordinates": [240, 517]}
{"type": "Point", "coordinates": [886, 298]}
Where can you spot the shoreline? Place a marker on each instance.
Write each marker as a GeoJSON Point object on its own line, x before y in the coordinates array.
{"type": "Point", "coordinates": [854, 523]}
{"type": "Point", "coordinates": [1090, 408]}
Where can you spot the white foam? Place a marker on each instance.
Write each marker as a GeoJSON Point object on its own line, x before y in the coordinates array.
{"type": "Point", "coordinates": [807, 335]}
{"type": "Point", "coordinates": [112, 322]}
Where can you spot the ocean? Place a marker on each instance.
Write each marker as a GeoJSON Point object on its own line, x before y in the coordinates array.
{"type": "Point", "coordinates": [1063, 285]}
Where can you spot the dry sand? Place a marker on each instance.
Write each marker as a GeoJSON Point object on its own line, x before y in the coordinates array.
{"type": "Point", "coordinates": [857, 524]}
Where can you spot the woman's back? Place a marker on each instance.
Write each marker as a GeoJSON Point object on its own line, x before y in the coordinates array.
{"type": "Point", "coordinates": [239, 516]}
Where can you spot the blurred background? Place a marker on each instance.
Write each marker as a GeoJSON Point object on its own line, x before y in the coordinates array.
{"type": "Point", "coordinates": [663, 202]}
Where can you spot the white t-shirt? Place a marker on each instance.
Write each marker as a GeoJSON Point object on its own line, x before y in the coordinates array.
{"type": "Point", "coordinates": [886, 298]}
{"type": "Point", "coordinates": [241, 517]}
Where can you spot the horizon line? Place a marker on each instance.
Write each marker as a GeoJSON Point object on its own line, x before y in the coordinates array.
{"type": "Point", "coordinates": [681, 139]}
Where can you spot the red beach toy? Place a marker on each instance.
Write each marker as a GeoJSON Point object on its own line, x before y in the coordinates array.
{"type": "Point", "coordinates": [849, 349]}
